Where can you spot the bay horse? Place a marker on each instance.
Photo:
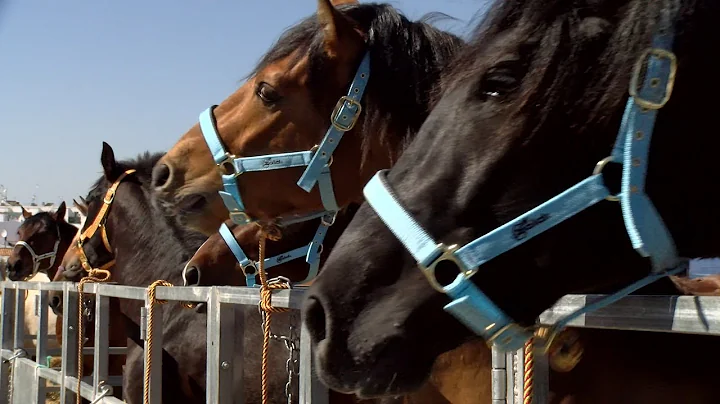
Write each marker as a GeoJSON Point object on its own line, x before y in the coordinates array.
{"type": "Point", "coordinates": [531, 105]}
{"type": "Point", "coordinates": [147, 246]}
{"type": "Point", "coordinates": [355, 53]}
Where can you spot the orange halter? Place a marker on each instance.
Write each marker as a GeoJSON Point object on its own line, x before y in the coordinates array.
{"type": "Point", "coordinates": [99, 223]}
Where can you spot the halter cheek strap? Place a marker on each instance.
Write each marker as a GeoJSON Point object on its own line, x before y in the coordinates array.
{"type": "Point", "coordinates": [99, 224]}
{"type": "Point", "coordinates": [646, 229]}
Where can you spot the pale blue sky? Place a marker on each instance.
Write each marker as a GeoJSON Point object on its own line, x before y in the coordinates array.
{"type": "Point", "coordinates": [135, 74]}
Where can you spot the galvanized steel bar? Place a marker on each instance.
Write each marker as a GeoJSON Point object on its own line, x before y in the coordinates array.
{"type": "Point", "coordinates": [100, 345]}
{"type": "Point", "coordinates": [311, 389]}
{"type": "Point", "coordinates": [184, 293]}
{"type": "Point", "coordinates": [119, 291]}
{"type": "Point", "coordinates": [6, 339]}
{"type": "Point", "coordinates": [70, 345]}
{"type": "Point", "coordinates": [154, 382]}
{"type": "Point", "coordinates": [499, 377]}
{"type": "Point", "coordinates": [288, 298]}
{"type": "Point", "coordinates": [221, 345]}
{"type": "Point", "coordinates": [41, 309]}
{"type": "Point", "coordinates": [19, 333]}
{"type": "Point", "coordinates": [541, 385]}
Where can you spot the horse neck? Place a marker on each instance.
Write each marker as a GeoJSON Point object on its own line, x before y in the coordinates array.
{"type": "Point", "coordinates": [67, 235]}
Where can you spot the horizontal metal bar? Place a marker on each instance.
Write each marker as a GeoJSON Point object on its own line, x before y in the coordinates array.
{"type": "Point", "coordinates": [55, 376]}
{"type": "Point", "coordinates": [289, 298]}
{"type": "Point", "coordinates": [34, 285]}
{"type": "Point", "coordinates": [88, 351]}
{"type": "Point", "coordinates": [183, 293]}
{"type": "Point", "coordinates": [120, 291]}
{"type": "Point", "coordinates": [676, 314]}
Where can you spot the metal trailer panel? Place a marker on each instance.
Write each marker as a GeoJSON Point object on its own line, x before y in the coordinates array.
{"type": "Point", "coordinates": [221, 346]}
{"type": "Point", "coordinates": [311, 388]}
{"type": "Point", "coordinates": [25, 382]}
{"type": "Point", "coordinates": [41, 309]}
{"type": "Point", "coordinates": [154, 383]}
{"type": "Point", "coordinates": [6, 340]}
{"type": "Point", "coordinates": [69, 351]}
{"type": "Point", "coordinates": [101, 355]}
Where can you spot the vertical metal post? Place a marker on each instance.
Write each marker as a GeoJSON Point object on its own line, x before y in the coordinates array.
{"type": "Point", "coordinates": [41, 339]}
{"type": "Point", "coordinates": [541, 385]}
{"type": "Point", "coordinates": [499, 376]}
{"type": "Point", "coordinates": [19, 338]}
{"type": "Point", "coordinates": [156, 334]}
{"type": "Point", "coordinates": [311, 389]}
{"type": "Point", "coordinates": [220, 345]}
{"type": "Point", "coordinates": [70, 343]}
{"type": "Point", "coordinates": [6, 339]}
{"type": "Point", "coordinates": [519, 360]}
{"type": "Point", "coordinates": [100, 346]}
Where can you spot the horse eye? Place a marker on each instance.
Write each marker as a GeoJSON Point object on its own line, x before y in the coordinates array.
{"type": "Point", "coordinates": [267, 93]}
{"type": "Point", "coordinates": [500, 81]}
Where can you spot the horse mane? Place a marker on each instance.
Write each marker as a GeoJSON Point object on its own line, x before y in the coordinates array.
{"type": "Point", "coordinates": [587, 48]}
{"type": "Point", "coordinates": [406, 58]}
{"type": "Point", "coordinates": [183, 240]}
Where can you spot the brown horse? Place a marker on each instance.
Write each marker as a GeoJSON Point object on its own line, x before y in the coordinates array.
{"type": "Point", "coordinates": [43, 240]}
{"type": "Point", "coordinates": [284, 107]}
{"type": "Point", "coordinates": [531, 106]}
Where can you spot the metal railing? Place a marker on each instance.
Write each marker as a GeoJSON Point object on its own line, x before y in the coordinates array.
{"type": "Point", "coordinates": [222, 324]}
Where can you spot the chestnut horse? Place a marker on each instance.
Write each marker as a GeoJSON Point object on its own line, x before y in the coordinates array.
{"type": "Point", "coordinates": [384, 67]}
{"type": "Point", "coordinates": [530, 106]}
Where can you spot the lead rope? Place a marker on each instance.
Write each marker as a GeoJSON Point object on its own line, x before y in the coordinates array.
{"type": "Point", "coordinates": [150, 320]}
{"type": "Point", "coordinates": [529, 372]}
{"type": "Point", "coordinates": [95, 275]}
{"type": "Point", "coordinates": [267, 308]}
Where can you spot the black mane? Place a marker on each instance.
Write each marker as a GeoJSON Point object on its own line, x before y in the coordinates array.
{"type": "Point", "coordinates": [584, 45]}
{"type": "Point", "coordinates": [406, 59]}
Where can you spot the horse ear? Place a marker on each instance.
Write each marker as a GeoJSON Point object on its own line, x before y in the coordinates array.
{"type": "Point", "coordinates": [341, 40]}
{"type": "Point", "coordinates": [60, 213]}
{"type": "Point", "coordinates": [82, 207]}
{"type": "Point", "coordinates": [25, 213]}
{"type": "Point", "coordinates": [110, 166]}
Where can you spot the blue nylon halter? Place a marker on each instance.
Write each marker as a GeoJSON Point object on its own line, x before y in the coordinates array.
{"type": "Point", "coordinates": [311, 251]}
{"type": "Point", "coordinates": [317, 171]}
{"type": "Point", "coordinates": [646, 229]}
{"type": "Point", "coordinates": [317, 162]}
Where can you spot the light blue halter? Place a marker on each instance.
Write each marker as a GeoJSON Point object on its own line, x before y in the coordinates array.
{"type": "Point", "coordinates": [646, 229]}
{"type": "Point", "coordinates": [317, 171]}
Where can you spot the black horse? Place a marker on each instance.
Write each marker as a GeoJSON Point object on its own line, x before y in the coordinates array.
{"type": "Point", "coordinates": [530, 107]}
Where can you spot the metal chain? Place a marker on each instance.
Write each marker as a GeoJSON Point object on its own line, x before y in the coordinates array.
{"type": "Point", "coordinates": [95, 275]}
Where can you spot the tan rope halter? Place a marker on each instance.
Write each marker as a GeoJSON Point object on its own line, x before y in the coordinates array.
{"type": "Point", "coordinates": [94, 275]}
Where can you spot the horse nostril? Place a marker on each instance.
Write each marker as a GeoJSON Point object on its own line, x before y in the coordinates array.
{"type": "Point", "coordinates": [161, 176]}
{"type": "Point", "coordinates": [315, 318]}
{"type": "Point", "coordinates": [192, 276]}
{"type": "Point", "coordinates": [55, 303]}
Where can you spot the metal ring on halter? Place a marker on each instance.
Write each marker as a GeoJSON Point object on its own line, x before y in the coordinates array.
{"type": "Point", "coordinates": [227, 166]}
{"type": "Point", "coordinates": [599, 169]}
{"type": "Point", "coordinates": [448, 254]}
{"type": "Point", "coordinates": [315, 148]}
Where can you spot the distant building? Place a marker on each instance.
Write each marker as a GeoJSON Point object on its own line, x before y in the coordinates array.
{"type": "Point", "coordinates": [11, 217]}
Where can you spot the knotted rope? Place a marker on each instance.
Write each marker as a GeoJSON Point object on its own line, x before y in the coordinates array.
{"type": "Point", "coordinates": [95, 275]}
{"type": "Point", "coordinates": [266, 306]}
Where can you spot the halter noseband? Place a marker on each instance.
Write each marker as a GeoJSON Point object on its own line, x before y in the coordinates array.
{"type": "Point", "coordinates": [99, 223]}
{"type": "Point", "coordinates": [317, 162]}
{"type": "Point", "coordinates": [646, 229]}
{"type": "Point", "coordinates": [38, 258]}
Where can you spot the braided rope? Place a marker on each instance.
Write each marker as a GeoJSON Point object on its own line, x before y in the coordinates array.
{"type": "Point", "coordinates": [150, 322]}
{"type": "Point", "coordinates": [266, 306]}
{"type": "Point", "coordinates": [95, 275]}
{"type": "Point", "coordinates": [529, 375]}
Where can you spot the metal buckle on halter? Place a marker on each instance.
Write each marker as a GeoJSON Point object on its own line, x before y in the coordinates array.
{"type": "Point", "coordinates": [637, 73]}
{"type": "Point", "coordinates": [109, 197]}
{"type": "Point", "coordinates": [329, 220]}
{"type": "Point", "coordinates": [448, 254]}
{"type": "Point", "coordinates": [338, 107]}
{"type": "Point", "coordinates": [250, 265]}
{"type": "Point", "coordinates": [227, 166]}
{"type": "Point", "coordinates": [240, 217]}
